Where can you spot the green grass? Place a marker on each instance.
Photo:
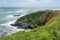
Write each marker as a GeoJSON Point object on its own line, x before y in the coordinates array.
{"type": "Point", "coordinates": [50, 31]}
{"type": "Point", "coordinates": [38, 17]}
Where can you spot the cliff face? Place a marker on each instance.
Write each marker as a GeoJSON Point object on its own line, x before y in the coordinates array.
{"type": "Point", "coordinates": [33, 20]}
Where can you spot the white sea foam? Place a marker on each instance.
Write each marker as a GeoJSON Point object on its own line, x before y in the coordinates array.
{"type": "Point", "coordinates": [23, 10]}
{"type": "Point", "coordinates": [11, 29]}
{"type": "Point", "coordinates": [20, 16]}
{"type": "Point", "coordinates": [10, 22]}
{"type": "Point", "coordinates": [9, 16]}
{"type": "Point", "coordinates": [20, 10]}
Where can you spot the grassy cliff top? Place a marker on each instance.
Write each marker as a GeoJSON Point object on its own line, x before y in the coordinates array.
{"type": "Point", "coordinates": [50, 31]}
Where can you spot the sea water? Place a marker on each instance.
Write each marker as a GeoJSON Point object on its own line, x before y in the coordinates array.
{"type": "Point", "coordinates": [7, 17]}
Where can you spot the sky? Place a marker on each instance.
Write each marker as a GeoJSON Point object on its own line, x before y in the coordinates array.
{"type": "Point", "coordinates": [29, 3]}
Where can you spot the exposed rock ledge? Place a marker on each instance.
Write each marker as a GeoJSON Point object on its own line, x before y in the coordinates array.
{"type": "Point", "coordinates": [23, 25]}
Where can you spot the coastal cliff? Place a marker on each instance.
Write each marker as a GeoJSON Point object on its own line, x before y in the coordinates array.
{"type": "Point", "coordinates": [35, 19]}
{"type": "Point", "coordinates": [45, 26]}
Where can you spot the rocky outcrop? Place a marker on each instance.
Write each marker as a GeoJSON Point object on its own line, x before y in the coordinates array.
{"type": "Point", "coordinates": [39, 18]}
{"type": "Point", "coordinates": [16, 15]}
{"type": "Point", "coordinates": [23, 25]}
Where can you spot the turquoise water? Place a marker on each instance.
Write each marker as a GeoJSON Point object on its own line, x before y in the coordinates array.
{"type": "Point", "coordinates": [7, 18]}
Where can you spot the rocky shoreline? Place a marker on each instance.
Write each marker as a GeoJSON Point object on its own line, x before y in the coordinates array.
{"type": "Point", "coordinates": [33, 20]}
{"type": "Point", "coordinates": [23, 25]}
{"type": "Point", "coordinates": [20, 25]}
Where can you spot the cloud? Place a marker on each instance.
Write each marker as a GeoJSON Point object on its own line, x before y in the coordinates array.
{"type": "Point", "coordinates": [28, 3]}
{"type": "Point", "coordinates": [39, 3]}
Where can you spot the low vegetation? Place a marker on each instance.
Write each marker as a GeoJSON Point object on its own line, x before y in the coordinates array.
{"type": "Point", "coordinates": [48, 26]}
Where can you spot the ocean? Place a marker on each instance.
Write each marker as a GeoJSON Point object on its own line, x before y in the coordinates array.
{"type": "Point", "coordinates": [7, 17]}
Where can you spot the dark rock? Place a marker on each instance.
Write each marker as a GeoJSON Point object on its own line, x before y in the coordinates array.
{"type": "Point", "coordinates": [23, 25]}
{"type": "Point", "coordinates": [12, 24]}
{"type": "Point", "coordinates": [16, 15]}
